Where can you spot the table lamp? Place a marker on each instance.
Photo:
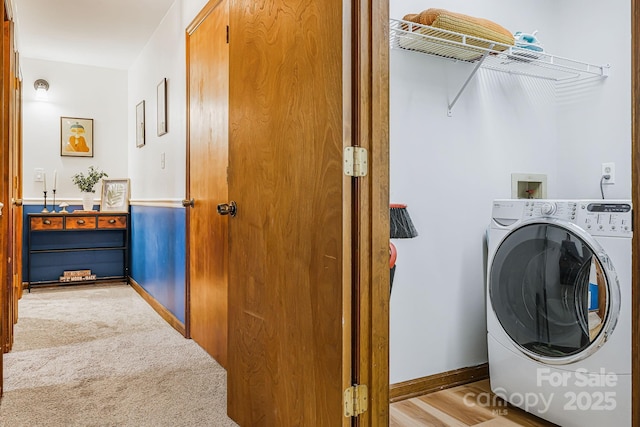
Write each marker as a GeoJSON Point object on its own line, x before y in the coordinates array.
{"type": "Point", "coordinates": [401, 227]}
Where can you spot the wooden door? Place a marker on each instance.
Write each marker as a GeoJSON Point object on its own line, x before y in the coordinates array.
{"type": "Point", "coordinates": [8, 129]}
{"type": "Point", "coordinates": [16, 190]}
{"type": "Point", "coordinates": [13, 160]}
{"type": "Point", "coordinates": [290, 242]}
{"type": "Point", "coordinates": [208, 89]}
{"type": "Point", "coordinates": [6, 318]}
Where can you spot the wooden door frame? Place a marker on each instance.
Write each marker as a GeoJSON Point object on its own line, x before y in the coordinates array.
{"type": "Point", "coordinates": [635, 200]}
{"type": "Point", "coordinates": [378, 321]}
{"type": "Point", "coordinates": [370, 129]}
{"type": "Point", "coordinates": [4, 219]}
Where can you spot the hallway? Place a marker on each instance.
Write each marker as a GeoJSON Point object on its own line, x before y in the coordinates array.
{"type": "Point", "coordinates": [98, 356]}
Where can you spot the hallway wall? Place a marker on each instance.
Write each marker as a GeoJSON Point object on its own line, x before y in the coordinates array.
{"type": "Point", "coordinates": [74, 91]}
{"type": "Point", "coordinates": [157, 188]}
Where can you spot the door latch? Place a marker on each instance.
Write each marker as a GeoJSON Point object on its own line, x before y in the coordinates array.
{"type": "Point", "coordinates": [228, 209]}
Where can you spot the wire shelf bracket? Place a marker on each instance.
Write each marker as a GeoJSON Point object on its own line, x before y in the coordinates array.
{"type": "Point", "coordinates": [464, 86]}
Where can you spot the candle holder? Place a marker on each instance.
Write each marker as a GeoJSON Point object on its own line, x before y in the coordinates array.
{"type": "Point", "coordinates": [45, 210]}
{"type": "Point", "coordinates": [53, 205]}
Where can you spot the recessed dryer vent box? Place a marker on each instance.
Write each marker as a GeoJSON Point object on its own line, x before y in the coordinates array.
{"type": "Point", "coordinates": [528, 186]}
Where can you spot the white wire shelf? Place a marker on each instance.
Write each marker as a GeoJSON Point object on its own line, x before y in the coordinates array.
{"type": "Point", "coordinates": [501, 57]}
{"type": "Point", "coordinates": [488, 54]}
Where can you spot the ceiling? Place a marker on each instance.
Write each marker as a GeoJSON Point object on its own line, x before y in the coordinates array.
{"type": "Point", "coordinates": [102, 33]}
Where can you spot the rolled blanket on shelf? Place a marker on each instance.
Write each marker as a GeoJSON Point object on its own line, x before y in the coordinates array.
{"type": "Point", "coordinates": [456, 22]}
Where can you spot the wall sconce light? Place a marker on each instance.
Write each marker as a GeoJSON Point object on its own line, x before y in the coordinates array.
{"type": "Point", "coordinates": [41, 86]}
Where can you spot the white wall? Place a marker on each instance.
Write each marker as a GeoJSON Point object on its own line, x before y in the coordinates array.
{"type": "Point", "coordinates": [449, 169]}
{"type": "Point", "coordinates": [164, 56]}
{"type": "Point", "coordinates": [74, 91]}
{"type": "Point", "coordinates": [597, 117]}
{"type": "Point", "coordinates": [110, 96]}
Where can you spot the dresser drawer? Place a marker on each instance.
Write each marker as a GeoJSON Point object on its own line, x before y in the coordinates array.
{"type": "Point", "coordinates": [46, 223]}
{"type": "Point", "coordinates": [80, 222]}
{"type": "Point", "coordinates": [112, 221]}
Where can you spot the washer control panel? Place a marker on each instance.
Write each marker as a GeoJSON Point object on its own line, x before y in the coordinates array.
{"type": "Point", "coordinates": [605, 218]}
{"type": "Point", "coordinates": [597, 217]}
{"type": "Point", "coordinates": [566, 210]}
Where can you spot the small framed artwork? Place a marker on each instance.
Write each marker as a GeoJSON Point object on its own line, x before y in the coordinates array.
{"type": "Point", "coordinates": [140, 124]}
{"type": "Point", "coordinates": [162, 107]}
{"type": "Point", "coordinates": [115, 195]}
{"type": "Point", "coordinates": [76, 137]}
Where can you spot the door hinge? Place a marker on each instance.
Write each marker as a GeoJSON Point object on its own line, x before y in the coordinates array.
{"type": "Point", "coordinates": [356, 400]}
{"type": "Point", "coordinates": [227, 34]}
{"type": "Point", "coordinates": [355, 161]}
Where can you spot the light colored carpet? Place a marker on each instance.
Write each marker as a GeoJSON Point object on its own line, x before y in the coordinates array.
{"type": "Point", "coordinates": [100, 356]}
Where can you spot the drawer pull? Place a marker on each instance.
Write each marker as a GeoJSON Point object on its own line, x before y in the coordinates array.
{"type": "Point", "coordinates": [80, 221]}
{"type": "Point", "coordinates": [46, 222]}
{"type": "Point", "coordinates": [112, 221]}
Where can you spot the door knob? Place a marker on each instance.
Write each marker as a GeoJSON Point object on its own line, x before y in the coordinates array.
{"type": "Point", "coordinates": [228, 209]}
{"type": "Point", "coordinates": [188, 203]}
{"type": "Point", "coordinates": [17, 202]}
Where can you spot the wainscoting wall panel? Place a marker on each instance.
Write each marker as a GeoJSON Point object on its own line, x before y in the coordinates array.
{"type": "Point", "coordinates": [158, 254]}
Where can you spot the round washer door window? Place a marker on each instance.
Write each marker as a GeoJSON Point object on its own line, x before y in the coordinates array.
{"type": "Point", "coordinates": [550, 292]}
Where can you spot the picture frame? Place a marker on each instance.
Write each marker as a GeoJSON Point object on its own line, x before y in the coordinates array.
{"type": "Point", "coordinates": [76, 137]}
{"type": "Point", "coordinates": [140, 124]}
{"type": "Point", "coordinates": [114, 196]}
{"type": "Point", "coordinates": [162, 107]}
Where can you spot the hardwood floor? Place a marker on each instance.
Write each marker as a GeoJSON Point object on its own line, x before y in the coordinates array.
{"type": "Point", "coordinates": [467, 405]}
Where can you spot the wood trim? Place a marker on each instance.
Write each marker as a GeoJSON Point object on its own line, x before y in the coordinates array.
{"type": "Point", "coordinates": [370, 103]}
{"type": "Point", "coordinates": [4, 221]}
{"type": "Point", "coordinates": [348, 242]}
{"type": "Point", "coordinates": [635, 200]}
{"type": "Point", "coordinates": [159, 308]}
{"type": "Point", "coordinates": [199, 19]}
{"type": "Point", "coordinates": [157, 203]}
{"type": "Point", "coordinates": [424, 385]}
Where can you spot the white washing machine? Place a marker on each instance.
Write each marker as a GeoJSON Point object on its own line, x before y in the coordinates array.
{"type": "Point", "coordinates": [559, 310]}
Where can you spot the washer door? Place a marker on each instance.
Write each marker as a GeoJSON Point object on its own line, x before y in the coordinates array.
{"type": "Point", "coordinates": [554, 291]}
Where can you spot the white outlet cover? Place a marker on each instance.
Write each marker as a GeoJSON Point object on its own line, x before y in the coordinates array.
{"type": "Point", "coordinates": [609, 168]}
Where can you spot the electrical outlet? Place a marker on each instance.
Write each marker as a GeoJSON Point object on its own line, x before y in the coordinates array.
{"type": "Point", "coordinates": [162, 161]}
{"type": "Point", "coordinates": [609, 169]}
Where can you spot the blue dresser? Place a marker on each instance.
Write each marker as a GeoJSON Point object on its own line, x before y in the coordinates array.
{"type": "Point", "coordinates": [76, 242]}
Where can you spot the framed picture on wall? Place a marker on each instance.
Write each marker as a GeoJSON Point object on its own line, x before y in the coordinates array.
{"type": "Point", "coordinates": [140, 124]}
{"type": "Point", "coordinates": [115, 195]}
{"type": "Point", "coordinates": [76, 137]}
{"type": "Point", "coordinates": [162, 107]}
